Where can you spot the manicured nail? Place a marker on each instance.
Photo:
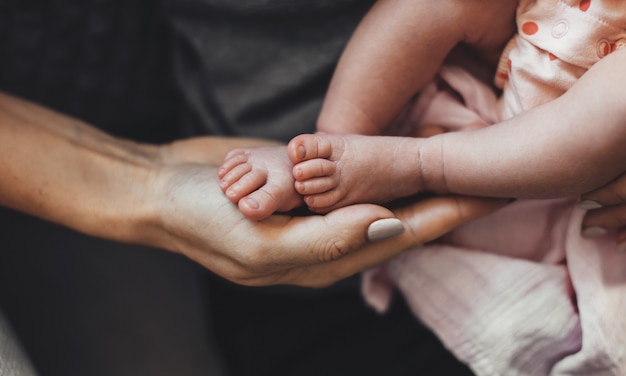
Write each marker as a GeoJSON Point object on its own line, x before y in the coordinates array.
{"type": "Point", "coordinates": [594, 232]}
{"type": "Point", "coordinates": [384, 229]}
{"type": "Point", "coordinates": [621, 247]}
{"type": "Point", "coordinates": [589, 205]}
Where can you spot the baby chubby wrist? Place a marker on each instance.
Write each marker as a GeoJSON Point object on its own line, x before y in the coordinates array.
{"type": "Point", "coordinates": [431, 165]}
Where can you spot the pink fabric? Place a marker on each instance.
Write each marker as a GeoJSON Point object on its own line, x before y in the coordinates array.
{"type": "Point", "coordinates": [557, 42]}
{"type": "Point", "coordinates": [520, 292]}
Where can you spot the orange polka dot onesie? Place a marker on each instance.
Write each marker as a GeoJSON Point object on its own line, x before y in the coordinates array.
{"type": "Point", "coordinates": [557, 42]}
{"type": "Point", "coordinates": [520, 292]}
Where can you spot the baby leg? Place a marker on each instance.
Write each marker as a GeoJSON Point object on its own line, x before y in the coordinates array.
{"type": "Point", "coordinates": [332, 171]}
{"type": "Point", "coordinates": [259, 180]}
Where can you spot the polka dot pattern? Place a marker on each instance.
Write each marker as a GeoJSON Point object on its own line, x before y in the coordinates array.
{"type": "Point", "coordinates": [556, 42]}
{"type": "Point", "coordinates": [530, 28]}
{"type": "Point", "coordinates": [561, 27]}
{"type": "Point", "coordinates": [603, 48]}
{"type": "Point", "coordinates": [584, 5]}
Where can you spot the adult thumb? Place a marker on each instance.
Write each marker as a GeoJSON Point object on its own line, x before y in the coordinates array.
{"type": "Point", "coordinates": [321, 239]}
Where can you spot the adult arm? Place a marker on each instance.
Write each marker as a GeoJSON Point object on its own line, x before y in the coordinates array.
{"type": "Point", "coordinates": [60, 169]}
{"type": "Point", "coordinates": [63, 170]}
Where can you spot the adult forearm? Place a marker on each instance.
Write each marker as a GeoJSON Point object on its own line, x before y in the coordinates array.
{"type": "Point", "coordinates": [60, 169]}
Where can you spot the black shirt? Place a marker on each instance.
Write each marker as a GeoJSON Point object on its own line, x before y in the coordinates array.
{"type": "Point", "coordinates": [258, 67]}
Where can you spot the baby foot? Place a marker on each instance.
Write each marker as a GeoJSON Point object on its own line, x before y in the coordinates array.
{"type": "Point", "coordinates": [259, 180]}
{"type": "Point", "coordinates": [333, 171]}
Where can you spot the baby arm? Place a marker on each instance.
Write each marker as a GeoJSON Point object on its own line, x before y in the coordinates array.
{"type": "Point", "coordinates": [568, 146]}
{"type": "Point", "coordinates": [396, 51]}
{"type": "Point", "coordinates": [565, 147]}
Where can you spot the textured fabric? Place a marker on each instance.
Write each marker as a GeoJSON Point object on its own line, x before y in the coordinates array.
{"type": "Point", "coordinates": [105, 62]}
{"type": "Point", "coordinates": [519, 292]}
{"type": "Point", "coordinates": [13, 361]}
{"type": "Point", "coordinates": [258, 67]}
{"type": "Point", "coordinates": [557, 41]}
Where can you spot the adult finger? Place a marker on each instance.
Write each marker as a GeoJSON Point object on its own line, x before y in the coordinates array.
{"type": "Point", "coordinates": [435, 217]}
{"type": "Point", "coordinates": [311, 240]}
{"type": "Point", "coordinates": [424, 221]}
{"type": "Point", "coordinates": [206, 149]}
{"type": "Point", "coordinates": [600, 221]}
{"type": "Point", "coordinates": [611, 194]}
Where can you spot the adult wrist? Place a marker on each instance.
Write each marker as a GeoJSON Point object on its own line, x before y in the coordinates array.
{"type": "Point", "coordinates": [123, 204]}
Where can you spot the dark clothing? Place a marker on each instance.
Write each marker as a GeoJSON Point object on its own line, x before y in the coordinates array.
{"type": "Point", "coordinates": [84, 306]}
{"type": "Point", "coordinates": [260, 67]}
{"type": "Point", "coordinates": [106, 62]}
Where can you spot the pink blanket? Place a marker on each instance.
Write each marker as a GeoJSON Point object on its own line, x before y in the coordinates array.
{"type": "Point", "coordinates": [519, 292]}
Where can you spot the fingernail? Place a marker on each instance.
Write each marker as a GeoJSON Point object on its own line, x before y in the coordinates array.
{"type": "Point", "coordinates": [384, 229]}
{"type": "Point", "coordinates": [621, 247]}
{"type": "Point", "coordinates": [594, 232]}
{"type": "Point", "coordinates": [589, 205]}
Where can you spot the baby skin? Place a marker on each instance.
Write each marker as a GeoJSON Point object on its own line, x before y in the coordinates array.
{"type": "Point", "coordinates": [259, 180]}
{"type": "Point", "coordinates": [536, 154]}
{"type": "Point", "coordinates": [323, 171]}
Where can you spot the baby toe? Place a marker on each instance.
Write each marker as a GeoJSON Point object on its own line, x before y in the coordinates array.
{"type": "Point", "coordinates": [245, 185]}
{"type": "Point", "coordinates": [308, 146]}
{"type": "Point", "coordinates": [313, 168]}
{"type": "Point", "coordinates": [323, 202]}
{"type": "Point", "coordinates": [259, 204]}
{"type": "Point", "coordinates": [230, 163]}
{"type": "Point", "coordinates": [315, 186]}
{"type": "Point", "coordinates": [234, 175]}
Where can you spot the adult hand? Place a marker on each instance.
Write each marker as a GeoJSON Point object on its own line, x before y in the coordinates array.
{"type": "Point", "coordinates": [168, 197]}
{"type": "Point", "coordinates": [316, 251]}
{"type": "Point", "coordinates": [607, 211]}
